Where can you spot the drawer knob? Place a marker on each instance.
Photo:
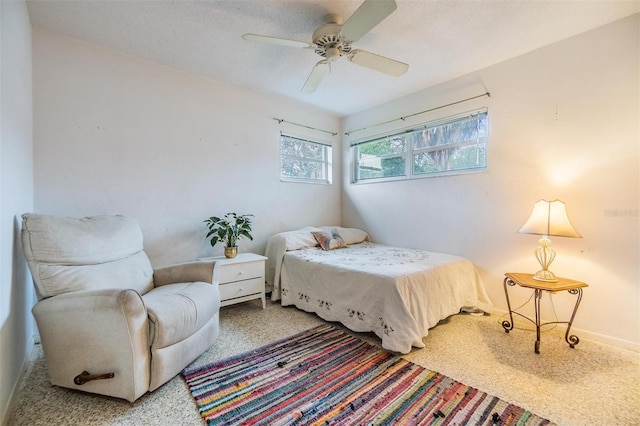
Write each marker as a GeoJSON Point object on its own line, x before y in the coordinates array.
{"type": "Point", "coordinates": [241, 272]}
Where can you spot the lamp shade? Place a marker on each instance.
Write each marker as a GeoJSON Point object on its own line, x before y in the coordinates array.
{"type": "Point", "coordinates": [549, 218]}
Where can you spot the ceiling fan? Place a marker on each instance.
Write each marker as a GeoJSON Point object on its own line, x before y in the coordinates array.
{"type": "Point", "coordinates": [333, 40]}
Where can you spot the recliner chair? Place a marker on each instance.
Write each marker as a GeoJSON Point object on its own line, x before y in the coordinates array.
{"type": "Point", "coordinates": [108, 322]}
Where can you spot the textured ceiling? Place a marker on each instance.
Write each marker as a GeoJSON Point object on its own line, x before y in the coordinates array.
{"type": "Point", "coordinates": [440, 40]}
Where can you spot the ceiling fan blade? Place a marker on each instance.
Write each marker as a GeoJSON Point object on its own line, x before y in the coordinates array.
{"type": "Point", "coordinates": [314, 79]}
{"type": "Point", "coordinates": [279, 41]}
{"type": "Point", "coordinates": [368, 15]}
{"type": "Point", "coordinates": [378, 63]}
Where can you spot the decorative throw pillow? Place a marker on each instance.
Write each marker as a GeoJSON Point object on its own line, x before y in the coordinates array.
{"type": "Point", "coordinates": [329, 240]}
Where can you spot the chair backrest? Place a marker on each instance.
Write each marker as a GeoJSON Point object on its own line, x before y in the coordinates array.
{"type": "Point", "coordinates": [91, 253]}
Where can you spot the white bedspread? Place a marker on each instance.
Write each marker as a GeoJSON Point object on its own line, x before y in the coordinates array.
{"type": "Point", "coordinates": [397, 293]}
{"type": "Point", "coordinates": [297, 239]}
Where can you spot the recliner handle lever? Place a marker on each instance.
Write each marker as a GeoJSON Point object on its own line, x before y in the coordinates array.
{"type": "Point", "coordinates": [85, 377]}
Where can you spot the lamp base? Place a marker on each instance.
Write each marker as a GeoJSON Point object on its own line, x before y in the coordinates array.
{"type": "Point", "coordinates": [546, 276]}
{"type": "Point", "coordinates": [545, 256]}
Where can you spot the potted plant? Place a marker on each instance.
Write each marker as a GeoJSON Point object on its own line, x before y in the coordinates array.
{"type": "Point", "coordinates": [229, 229]}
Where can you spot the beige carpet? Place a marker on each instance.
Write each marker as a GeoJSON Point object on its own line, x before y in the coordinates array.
{"type": "Point", "coordinates": [592, 384]}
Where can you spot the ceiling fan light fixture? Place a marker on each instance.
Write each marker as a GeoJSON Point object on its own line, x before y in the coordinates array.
{"type": "Point", "coordinates": [333, 53]}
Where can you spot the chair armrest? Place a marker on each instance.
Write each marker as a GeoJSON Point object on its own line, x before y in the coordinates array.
{"type": "Point", "coordinates": [101, 331]}
{"type": "Point", "coordinates": [204, 271]}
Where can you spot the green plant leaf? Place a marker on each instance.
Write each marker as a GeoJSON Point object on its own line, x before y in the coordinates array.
{"type": "Point", "coordinates": [246, 234]}
{"type": "Point", "coordinates": [229, 229]}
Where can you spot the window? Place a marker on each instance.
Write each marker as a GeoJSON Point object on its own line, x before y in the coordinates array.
{"type": "Point", "coordinates": [304, 161]}
{"type": "Point", "coordinates": [452, 146]}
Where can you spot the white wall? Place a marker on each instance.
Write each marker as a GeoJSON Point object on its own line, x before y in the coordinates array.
{"type": "Point", "coordinates": [16, 197]}
{"type": "Point", "coordinates": [115, 134]}
{"type": "Point", "coordinates": [564, 123]}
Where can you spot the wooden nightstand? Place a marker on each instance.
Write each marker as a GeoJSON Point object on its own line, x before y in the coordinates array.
{"type": "Point", "coordinates": [241, 278]}
{"type": "Point", "coordinates": [527, 281]}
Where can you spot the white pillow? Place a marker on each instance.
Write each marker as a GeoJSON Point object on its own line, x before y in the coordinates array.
{"type": "Point", "coordinates": [349, 235]}
{"type": "Point", "coordinates": [300, 238]}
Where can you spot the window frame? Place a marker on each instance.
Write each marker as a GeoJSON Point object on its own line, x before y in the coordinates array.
{"type": "Point", "coordinates": [326, 162]}
{"type": "Point", "coordinates": [411, 152]}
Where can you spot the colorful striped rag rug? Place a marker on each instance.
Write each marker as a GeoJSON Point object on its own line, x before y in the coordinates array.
{"type": "Point", "coordinates": [324, 376]}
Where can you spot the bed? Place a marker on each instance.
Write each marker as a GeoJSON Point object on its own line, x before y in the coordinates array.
{"type": "Point", "coordinates": [397, 293]}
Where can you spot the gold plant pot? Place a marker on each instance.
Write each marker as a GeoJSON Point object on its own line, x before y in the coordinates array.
{"type": "Point", "coordinates": [230, 252]}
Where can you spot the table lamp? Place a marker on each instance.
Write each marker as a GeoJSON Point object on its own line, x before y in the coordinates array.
{"type": "Point", "coordinates": [548, 218]}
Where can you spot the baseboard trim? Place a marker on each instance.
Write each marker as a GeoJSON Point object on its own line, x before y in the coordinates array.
{"type": "Point", "coordinates": [15, 391]}
{"type": "Point", "coordinates": [589, 335]}
{"type": "Point", "coordinates": [601, 338]}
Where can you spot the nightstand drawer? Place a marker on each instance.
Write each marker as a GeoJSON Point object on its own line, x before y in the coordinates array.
{"type": "Point", "coordinates": [243, 288]}
{"type": "Point", "coordinates": [241, 271]}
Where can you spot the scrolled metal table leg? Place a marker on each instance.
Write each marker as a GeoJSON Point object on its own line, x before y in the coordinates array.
{"type": "Point", "coordinates": [573, 340]}
{"type": "Point", "coordinates": [508, 325]}
{"type": "Point", "coordinates": [538, 298]}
